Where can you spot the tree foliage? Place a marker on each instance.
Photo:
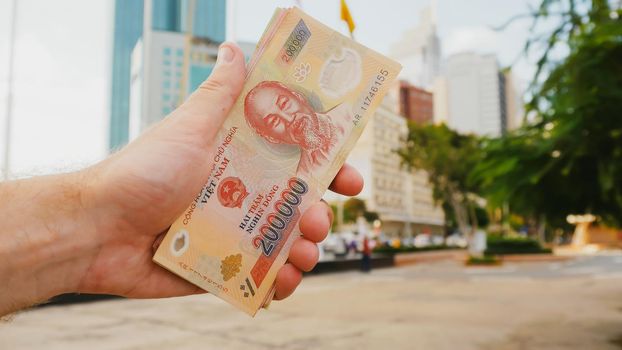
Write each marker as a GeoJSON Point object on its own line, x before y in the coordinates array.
{"type": "Point", "coordinates": [448, 157]}
{"type": "Point", "coordinates": [568, 157]}
{"type": "Point", "coordinates": [355, 207]}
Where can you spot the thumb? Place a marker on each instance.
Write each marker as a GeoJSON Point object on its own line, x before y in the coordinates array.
{"type": "Point", "coordinates": [206, 109]}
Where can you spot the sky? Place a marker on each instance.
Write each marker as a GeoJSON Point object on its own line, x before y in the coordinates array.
{"type": "Point", "coordinates": [63, 61]}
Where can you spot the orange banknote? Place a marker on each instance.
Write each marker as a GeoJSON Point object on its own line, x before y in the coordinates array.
{"type": "Point", "coordinates": [308, 94]}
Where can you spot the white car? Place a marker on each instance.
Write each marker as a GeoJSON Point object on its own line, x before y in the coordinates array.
{"type": "Point", "coordinates": [423, 240]}
{"type": "Point", "coordinates": [456, 240]}
{"type": "Point", "coordinates": [437, 240]}
{"type": "Point", "coordinates": [334, 243]}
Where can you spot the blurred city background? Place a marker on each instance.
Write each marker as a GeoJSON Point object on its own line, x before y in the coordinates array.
{"type": "Point", "coordinates": [492, 207]}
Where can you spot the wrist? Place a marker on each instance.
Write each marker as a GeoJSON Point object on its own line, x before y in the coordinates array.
{"type": "Point", "coordinates": [48, 240]}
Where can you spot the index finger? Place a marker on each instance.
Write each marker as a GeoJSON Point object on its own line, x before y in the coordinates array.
{"type": "Point", "coordinates": [348, 181]}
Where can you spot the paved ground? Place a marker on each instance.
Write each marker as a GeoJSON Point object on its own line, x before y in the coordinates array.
{"type": "Point", "coordinates": [575, 304]}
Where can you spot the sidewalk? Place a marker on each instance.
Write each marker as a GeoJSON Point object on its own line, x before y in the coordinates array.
{"type": "Point", "coordinates": [441, 305]}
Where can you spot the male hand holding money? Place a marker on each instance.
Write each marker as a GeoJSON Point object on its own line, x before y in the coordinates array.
{"type": "Point", "coordinates": [224, 192]}
{"type": "Point", "coordinates": [95, 231]}
{"type": "Point", "coordinates": [308, 93]}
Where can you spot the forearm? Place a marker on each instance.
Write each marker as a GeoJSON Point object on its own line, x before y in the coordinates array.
{"type": "Point", "coordinates": [45, 238]}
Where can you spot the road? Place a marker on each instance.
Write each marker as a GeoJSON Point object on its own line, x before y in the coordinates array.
{"type": "Point", "coordinates": [575, 304]}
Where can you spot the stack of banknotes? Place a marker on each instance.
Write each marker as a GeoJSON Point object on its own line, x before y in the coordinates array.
{"type": "Point", "coordinates": [308, 94]}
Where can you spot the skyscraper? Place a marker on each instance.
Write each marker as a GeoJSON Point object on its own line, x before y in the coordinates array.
{"type": "Point", "coordinates": [166, 67]}
{"type": "Point", "coordinates": [128, 27]}
{"type": "Point", "coordinates": [474, 91]}
{"type": "Point", "coordinates": [513, 101]}
{"type": "Point", "coordinates": [419, 50]}
{"type": "Point", "coordinates": [137, 19]}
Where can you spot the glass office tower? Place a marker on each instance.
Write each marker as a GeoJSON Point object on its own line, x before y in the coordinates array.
{"type": "Point", "coordinates": [208, 23]}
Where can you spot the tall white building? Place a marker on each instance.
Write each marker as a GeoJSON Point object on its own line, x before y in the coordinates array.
{"type": "Point", "coordinates": [513, 101]}
{"type": "Point", "coordinates": [163, 75]}
{"type": "Point", "coordinates": [472, 95]}
{"type": "Point", "coordinates": [403, 200]}
{"type": "Point", "coordinates": [419, 50]}
{"type": "Point", "coordinates": [160, 78]}
{"type": "Point", "coordinates": [144, 20]}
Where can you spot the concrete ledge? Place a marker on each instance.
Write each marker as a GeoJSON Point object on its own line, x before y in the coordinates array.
{"type": "Point", "coordinates": [590, 249]}
{"type": "Point", "coordinates": [533, 258]}
{"type": "Point", "coordinates": [402, 259]}
{"type": "Point", "coordinates": [337, 265]}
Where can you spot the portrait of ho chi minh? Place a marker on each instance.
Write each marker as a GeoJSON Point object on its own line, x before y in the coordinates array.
{"type": "Point", "coordinates": [283, 116]}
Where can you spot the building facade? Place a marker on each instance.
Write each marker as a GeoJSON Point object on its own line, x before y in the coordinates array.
{"type": "Point", "coordinates": [142, 24]}
{"type": "Point", "coordinates": [473, 92]}
{"type": "Point", "coordinates": [513, 101]}
{"type": "Point", "coordinates": [128, 28]}
{"type": "Point", "coordinates": [416, 104]}
{"type": "Point", "coordinates": [402, 199]}
{"type": "Point", "coordinates": [162, 76]}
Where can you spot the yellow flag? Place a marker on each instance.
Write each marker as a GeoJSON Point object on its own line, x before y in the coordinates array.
{"type": "Point", "coordinates": [345, 15]}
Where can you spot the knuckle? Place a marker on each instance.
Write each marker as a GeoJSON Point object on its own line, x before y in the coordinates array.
{"type": "Point", "coordinates": [313, 259]}
{"type": "Point", "coordinates": [219, 88]}
{"type": "Point", "coordinates": [211, 85]}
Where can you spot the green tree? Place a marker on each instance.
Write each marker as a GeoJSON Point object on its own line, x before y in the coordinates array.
{"type": "Point", "coordinates": [568, 157]}
{"type": "Point", "coordinates": [482, 216]}
{"type": "Point", "coordinates": [371, 216]}
{"type": "Point", "coordinates": [448, 158]}
{"type": "Point", "coordinates": [355, 207]}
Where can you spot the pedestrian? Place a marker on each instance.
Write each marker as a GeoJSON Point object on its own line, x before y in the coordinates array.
{"type": "Point", "coordinates": [95, 230]}
{"type": "Point", "coordinates": [366, 258]}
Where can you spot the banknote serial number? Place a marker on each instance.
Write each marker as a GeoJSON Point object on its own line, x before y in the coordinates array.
{"type": "Point", "coordinates": [374, 87]}
{"type": "Point", "coordinates": [285, 208]}
{"type": "Point", "coordinates": [295, 42]}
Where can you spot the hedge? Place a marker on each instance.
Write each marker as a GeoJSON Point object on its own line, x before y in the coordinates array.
{"type": "Point", "coordinates": [384, 249]}
{"type": "Point", "coordinates": [501, 245]}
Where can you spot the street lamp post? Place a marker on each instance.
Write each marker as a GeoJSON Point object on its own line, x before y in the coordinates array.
{"type": "Point", "coordinates": [9, 95]}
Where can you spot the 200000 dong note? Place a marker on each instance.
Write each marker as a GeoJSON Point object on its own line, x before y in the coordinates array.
{"type": "Point", "coordinates": [301, 110]}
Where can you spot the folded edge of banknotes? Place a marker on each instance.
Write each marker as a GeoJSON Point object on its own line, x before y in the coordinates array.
{"type": "Point", "coordinates": [309, 92]}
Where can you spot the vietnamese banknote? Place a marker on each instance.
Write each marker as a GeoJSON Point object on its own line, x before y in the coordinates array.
{"type": "Point", "coordinates": [309, 92]}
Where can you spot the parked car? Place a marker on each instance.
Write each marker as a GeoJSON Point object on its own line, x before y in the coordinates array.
{"type": "Point", "coordinates": [423, 240]}
{"type": "Point", "coordinates": [437, 240]}
{"type": "Point", "coordinates": [408, 241]}
{"type": "Point", "coordinates": [456, 240]}
{"type": "Point", "coordinates": [334, 243]}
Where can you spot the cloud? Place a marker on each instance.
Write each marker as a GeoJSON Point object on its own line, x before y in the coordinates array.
{"type": "Point", "coordinates": [480, 39]}
{"type": "Point", "coordinates": [60, 104]}
{"type": "Point", "coordinates": [59, 110]}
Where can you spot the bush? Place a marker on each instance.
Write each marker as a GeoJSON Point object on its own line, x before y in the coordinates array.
{"type": "Point", "coordinates": [501, 245]}
{"type": "Point", "coordinates": [484, 260]}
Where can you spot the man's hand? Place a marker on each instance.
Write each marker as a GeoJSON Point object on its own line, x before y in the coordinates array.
{"type": "Point", "coordinates": [98, 228]}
